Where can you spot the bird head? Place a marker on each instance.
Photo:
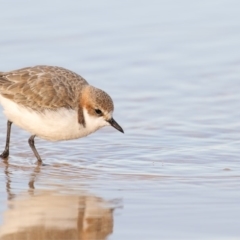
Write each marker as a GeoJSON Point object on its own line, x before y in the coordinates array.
{"type": "Point", "coordinates": [97, 108]}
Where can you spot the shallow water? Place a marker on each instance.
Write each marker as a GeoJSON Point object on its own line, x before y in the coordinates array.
{"type": "Point", "coordinates": [172, 68]}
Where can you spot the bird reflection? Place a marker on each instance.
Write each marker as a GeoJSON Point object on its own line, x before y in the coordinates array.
{"type": "Point", "coordinates": [52, 215]}
{"type": "Point", "coordinates": [8, 180]}
{"type": "Point", "coordinates": [33, 178]}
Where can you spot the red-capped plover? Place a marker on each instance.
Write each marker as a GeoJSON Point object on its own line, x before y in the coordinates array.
{"type": "Point", "coordinates": [53, 103]}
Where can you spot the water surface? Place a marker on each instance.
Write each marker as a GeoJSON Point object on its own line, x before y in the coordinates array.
{"type": "Point", "coordinates": [172, 68]}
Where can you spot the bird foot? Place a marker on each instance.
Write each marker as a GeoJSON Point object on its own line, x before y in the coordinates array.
{"type": "Point", "coordinates": [5, 154]}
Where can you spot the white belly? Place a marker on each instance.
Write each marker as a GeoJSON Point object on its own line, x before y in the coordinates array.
{"type": "Point", "coordinates": [50, 125]}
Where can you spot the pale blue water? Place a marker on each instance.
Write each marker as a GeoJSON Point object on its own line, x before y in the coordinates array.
{"type": "Point", "coordinates": [172, 68]}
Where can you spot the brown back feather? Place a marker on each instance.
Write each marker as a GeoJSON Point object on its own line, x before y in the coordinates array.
{"type": "Point", "coordinates": [42, 87]}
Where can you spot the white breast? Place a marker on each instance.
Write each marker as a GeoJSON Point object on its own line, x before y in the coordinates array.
{"type": "Point", "coordinates": [50, 125]}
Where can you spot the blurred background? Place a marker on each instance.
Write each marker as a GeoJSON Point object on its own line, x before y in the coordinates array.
{"type": "Point", "coordinates": [173, 70]}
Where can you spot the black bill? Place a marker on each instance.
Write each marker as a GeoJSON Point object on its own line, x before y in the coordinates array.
{"type": "Point", "coordinates": [115, 125]}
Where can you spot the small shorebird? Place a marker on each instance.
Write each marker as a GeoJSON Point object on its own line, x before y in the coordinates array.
{"type": "Point", "coordinates": [53, 103]}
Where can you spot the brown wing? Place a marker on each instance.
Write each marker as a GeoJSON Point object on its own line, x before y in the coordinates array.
{"type": "Point", "coordinates": [42, 87]}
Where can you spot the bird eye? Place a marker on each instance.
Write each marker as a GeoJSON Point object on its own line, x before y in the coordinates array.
{"type": "Point", "coordinates": [98, 111]}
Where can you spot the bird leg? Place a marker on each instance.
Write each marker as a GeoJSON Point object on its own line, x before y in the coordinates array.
{"type": "Point", "coordinates": [31, 144]}
{"type": "Point", "coordinates": [5, 153]}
